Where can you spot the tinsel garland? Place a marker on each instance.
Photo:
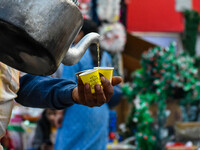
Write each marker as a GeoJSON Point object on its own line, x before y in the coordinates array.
{"type": "Point", "coordinates": [164, 75]}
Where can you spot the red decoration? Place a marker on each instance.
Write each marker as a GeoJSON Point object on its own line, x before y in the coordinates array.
{"type": "Point", "coordinates": [112, 135]}
{"type": "Point", "coordinates": [145, 137]}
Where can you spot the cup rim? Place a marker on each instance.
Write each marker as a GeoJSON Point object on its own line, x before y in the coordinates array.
{"type": "Point", "coordinates": [80, 72]}
{"type": "Point", "coordinates": [107, 68]}
{"type": "Point", "coordinates": [88, 72]}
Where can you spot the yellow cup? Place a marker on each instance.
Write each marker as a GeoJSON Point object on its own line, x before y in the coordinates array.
{"type": "Point", "coordinates": [107, 72]}
{"type": "Point", "coordinates": [92, 77]}
{"type": "Point", "coordinates": [78, 73]}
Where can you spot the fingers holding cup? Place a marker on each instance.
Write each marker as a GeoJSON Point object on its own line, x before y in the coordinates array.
{"type": "Point", "coordinates": [107, 88]}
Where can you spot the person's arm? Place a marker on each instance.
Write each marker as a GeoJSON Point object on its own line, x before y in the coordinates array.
{"type": "Point", "coordinates": [115, 100]}
{"type": "Point", "coordinates": [45, 92]}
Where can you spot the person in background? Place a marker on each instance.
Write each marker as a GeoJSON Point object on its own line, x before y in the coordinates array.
{"type": "Point", "coordinates": [45, 131]}
{"type": "Point", "coordinates": [83, 127]}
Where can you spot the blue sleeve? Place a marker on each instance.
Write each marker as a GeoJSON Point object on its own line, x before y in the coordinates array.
{"type": "Point", "coordinates": [115, 100]}
{"type": "Point", "coordinates": [45, 92]}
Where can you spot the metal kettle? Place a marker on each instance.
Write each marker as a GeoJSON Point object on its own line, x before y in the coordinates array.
{"type": "Point", "coordinates": [35, 35]}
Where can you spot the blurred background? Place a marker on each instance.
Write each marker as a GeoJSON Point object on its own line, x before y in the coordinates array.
{"type": "Point", "coordinates": [155, 47]}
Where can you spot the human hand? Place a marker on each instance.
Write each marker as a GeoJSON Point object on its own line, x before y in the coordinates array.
{"type": "Point", "coordinates": [59, 118]}
{"type": "Point", "coordinates": [82, 94]}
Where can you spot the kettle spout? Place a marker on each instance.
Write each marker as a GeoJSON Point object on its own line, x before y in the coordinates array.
{"type": "Point", "coordinates": [74, 54]}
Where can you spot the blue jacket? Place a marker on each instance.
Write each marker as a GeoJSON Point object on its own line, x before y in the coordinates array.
{"type": "Point", "coordinates": [85, 128]}
{"type": "Point", "coordinates": [45, 92]}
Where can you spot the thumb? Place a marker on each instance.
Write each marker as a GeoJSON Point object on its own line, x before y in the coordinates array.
{"type": "Point", "coordinates": [116, 80]}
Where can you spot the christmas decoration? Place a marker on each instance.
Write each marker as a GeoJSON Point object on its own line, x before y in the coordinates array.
{"type": "Point", "coordinates": [164, 75]}
{"type": "Point", "coordinates": [113, 37]}
{"type": "Point", "coordinates": [112, 125]}
{"type": "Point", "coordinates": [85, 7]}
{"type": "Point", "coordinates": [192, 20]}
{"type": "Point", "coordinates": [108, 10]}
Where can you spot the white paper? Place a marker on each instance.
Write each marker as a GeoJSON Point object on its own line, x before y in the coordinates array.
{"type": "Point", "coordinates": [182, 5]}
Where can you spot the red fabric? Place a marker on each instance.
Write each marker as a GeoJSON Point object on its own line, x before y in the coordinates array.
{"type": "Point", "coordinates": [7, 142]}
{"type": "Point", "coordinates": [155, 15]}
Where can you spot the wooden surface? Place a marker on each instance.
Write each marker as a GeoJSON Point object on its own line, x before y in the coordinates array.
{"type": "Point", "coordinates": [183, 148]}
{"type": "Point", "coordinates": [135, 46]}
{"type": "Point", "coordinates": [184, 125]}
{"type": "Point", "coordinates": [132, 54]}
{"type": "Point", "coordinates": [123, 110]}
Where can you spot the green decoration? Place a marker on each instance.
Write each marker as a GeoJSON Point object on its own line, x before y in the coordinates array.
{"type": "Point", "coordinates": [15, 128]}
{"type": "Point", "coordinates": [192, 20]}
{"type": "Point", "coordinates": [164, 75]}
